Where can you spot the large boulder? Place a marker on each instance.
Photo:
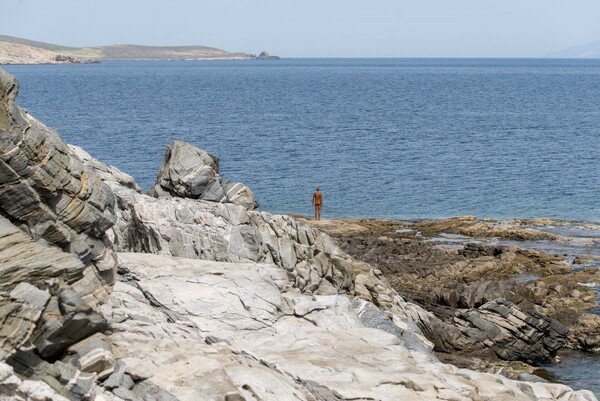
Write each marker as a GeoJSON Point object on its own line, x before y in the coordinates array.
{"type": "Point", "coordinates": [189, 172]}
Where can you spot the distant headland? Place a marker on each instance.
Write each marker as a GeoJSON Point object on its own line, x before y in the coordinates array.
{"type": "Point", "coordinates": [15, 50]}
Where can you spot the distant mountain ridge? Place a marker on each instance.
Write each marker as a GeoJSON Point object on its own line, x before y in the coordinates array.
{"type": "Point", "coordinates": [17, 50]}
{"type": "Point", "coordinates": [588, 50]}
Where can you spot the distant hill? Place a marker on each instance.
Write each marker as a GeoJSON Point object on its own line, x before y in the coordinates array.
{"type": "Point", "coordinates": [16, 53]}
{"type": "Point", "coordinates": [113, 52]}
{"type": "Point", "coordinates": [588, 50]}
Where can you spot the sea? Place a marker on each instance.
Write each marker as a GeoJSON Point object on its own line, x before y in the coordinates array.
{"type": "Point", "coordinates": [382, 138]}
{"type": "Point", "coordinates": [387, 138]}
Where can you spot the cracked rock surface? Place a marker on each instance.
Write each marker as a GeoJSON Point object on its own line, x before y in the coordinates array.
{"type": "Point", "coordinates": [215, 330]}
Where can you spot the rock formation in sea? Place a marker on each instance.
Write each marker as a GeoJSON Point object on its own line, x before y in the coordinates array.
{"type": "Point", "coordinates": [111, 294]}
{"type": "Point", "coordinates": [264, 55]}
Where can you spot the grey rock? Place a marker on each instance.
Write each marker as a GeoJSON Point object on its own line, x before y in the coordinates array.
{"type": "Point", "coordinates": [92, 355]}
{"type": "Point", "coordinates": [47, 195]}
{"type": "Point", "coordinates": [20, 260]}
{"type": "Point", "coordinates": [125, 394]}
{"type": "Point", "coordinates": [148, 391]}
{"type": "Point", "coordinates": [527, 377]}
{"type": "Point", "coordinates": [511, 333]}
{"type": "Point", "coordinates": [14, 388]}
{"type": "Point", "coordinates": [280, 343]}
{"type": "Point", "coordinates": [266, 56]}
{"type": "Point", "coordinates": [66, 320]}
{"type": "Point", "coordinates": [127, 382]}
{"type": "Point", "coordinates": [227, 232]}
{"type": "Point", "coordinates": [19, 318]}
{"type": "Point", "coordinates": [32, 296]}
{"type": "Point", "coordinates": [117, 377]}
{"type": "Point", "coordinates": [189, 172]}
{"type": "Point", "coordinates": [55, 257]}
{"type": "Point", "coordinates": [65, 379]}
{"type": "Point", "coordinates": [372, 316]}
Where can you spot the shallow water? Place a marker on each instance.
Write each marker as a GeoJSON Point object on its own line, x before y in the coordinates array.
{"type": "Point", "coordinates": [578, 370]}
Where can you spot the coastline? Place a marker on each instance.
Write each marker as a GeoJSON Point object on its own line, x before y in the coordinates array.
{"type": "Point", "coordinates": [558, 258]}
{"type": "Point", "coordinates": [114, 294]}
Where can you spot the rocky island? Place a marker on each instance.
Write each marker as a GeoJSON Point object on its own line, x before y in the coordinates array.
{"type": "Point", "coordinates": [191, 292]}
{"type": "Point", "coordinates": [23, 51]}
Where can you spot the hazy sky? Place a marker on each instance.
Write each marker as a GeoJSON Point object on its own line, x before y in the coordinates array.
{"type": "Point", "coordinates": [315, 28]}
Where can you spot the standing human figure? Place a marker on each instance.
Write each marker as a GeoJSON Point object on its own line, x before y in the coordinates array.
{"type": "Point", "coordinates": [318, 203]}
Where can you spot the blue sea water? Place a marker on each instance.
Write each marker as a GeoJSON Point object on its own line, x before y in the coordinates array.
{"type": "Point", "coordinates": [396, 138]}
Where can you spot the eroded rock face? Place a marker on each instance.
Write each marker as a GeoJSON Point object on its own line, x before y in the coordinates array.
{"type": "Point", "coordinates": [200, 229]}
{"type": "Point", "coordinates": [189, 172]}
{"type": "Point", "coordinates": [56, 262]}
{"type": "Point", "coordinates": [48, 193]}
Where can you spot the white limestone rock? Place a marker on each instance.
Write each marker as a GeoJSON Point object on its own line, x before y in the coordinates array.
{"type": "Point", "coordinates": [212, 331]}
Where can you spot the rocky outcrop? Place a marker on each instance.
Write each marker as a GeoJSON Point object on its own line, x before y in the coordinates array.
{"type": "Point", "coordinates": [52, 197]}
{"type": "Point", "coordinates": [56, 262]}
{"type": "Point", "coordinates": [314, 264]}
{"type": "Point", "coordinates": [266, 56]}
{"type": "Point", "coordinates": [199, 229]}
{"type": "Point", "coordinates": [255, 336]}
{"type": "Point", "coordinates": [189, 172]}
{"type": "Point", "coordinates": [479, 310]}
{"type": "Point", "coordinates": [511, 333]}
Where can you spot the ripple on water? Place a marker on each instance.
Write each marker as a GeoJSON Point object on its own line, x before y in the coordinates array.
{"type": "Point", "coordinates": [578, 370]}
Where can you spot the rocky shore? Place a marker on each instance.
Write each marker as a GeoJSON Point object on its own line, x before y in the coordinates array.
{"type": "Point", "coordinates": [486, 281]}
{"type": "Point", "coordinates": [191, 293]}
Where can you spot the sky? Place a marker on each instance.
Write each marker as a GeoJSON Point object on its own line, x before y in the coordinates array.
{"type": "Point", "coordinates": [314, 28]}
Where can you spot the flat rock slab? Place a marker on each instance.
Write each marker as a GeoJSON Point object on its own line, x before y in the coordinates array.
{"type": "Point", "coordinates": [277, 344]}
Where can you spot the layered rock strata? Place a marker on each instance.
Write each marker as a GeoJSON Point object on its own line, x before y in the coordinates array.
{"type": "Point", "coordinates": [56, 262]}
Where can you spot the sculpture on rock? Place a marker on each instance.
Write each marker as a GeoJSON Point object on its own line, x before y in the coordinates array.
{"type": "Point", "coordinates": [189, 172]}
